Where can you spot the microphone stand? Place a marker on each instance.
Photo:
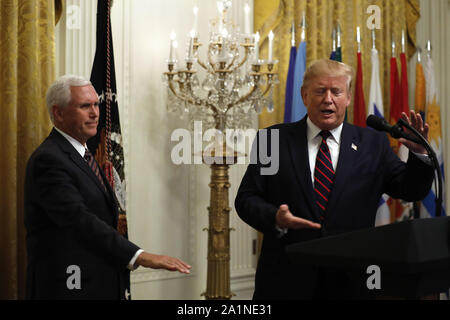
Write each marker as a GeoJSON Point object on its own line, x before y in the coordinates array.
{"type": "Point", "coordinates": [433, 157]}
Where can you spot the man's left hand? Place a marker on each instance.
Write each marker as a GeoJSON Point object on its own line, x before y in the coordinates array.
{"type": "Point", "coordinates": [415, 120]}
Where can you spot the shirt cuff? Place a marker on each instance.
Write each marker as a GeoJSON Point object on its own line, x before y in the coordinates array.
{"type": "Point", "coordinates": [132, 264]}
{"type": "Point", "coordinates": [280, 231]}
{"type": "Point", "coordinates": [424, 157]}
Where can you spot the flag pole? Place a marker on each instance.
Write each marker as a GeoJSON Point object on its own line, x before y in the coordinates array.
{"type": "Point", "coordinates": [293, 34]}
{"type": "Point", "coordinates": [338, 35]}
{"type": "Point", "coordinates": [403, 41]}
{"type": "Point", "coordinates": [358, 38]}
{"type": "Point", "coordinates": [373, 39]}
{"type": "Point", "coordinates": [393, 45]}
{"type": "Point", "coordinates": [303, 28]}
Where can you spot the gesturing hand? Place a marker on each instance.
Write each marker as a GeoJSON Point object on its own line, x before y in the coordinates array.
{"type": "Point", "coordinates": [415, 120]}
{"type": "Point", "coordinates": [285, 219]}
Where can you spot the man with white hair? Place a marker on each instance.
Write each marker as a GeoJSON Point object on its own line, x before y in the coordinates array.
{"type": "Point", "coordinates": [71, 214]}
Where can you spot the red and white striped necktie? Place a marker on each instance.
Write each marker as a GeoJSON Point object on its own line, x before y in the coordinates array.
{"type": "Point", "coordinates": [323, 174]}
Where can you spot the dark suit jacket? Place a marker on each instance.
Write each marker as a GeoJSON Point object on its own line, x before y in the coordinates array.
{"type": "Point", "coordinates": [70, 220]}
{"type": "Point", "coordinates": [362, 176]}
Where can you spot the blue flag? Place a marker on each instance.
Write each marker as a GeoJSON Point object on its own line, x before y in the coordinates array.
{"type": "Point", "coordinates": [333, 55]}
{"type": "Point", "coordinates": [290, 86]}
{"type": "Point", "coordinates": [298, 108]}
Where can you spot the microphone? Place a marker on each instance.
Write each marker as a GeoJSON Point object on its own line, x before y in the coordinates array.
{"type": "Point", "coordinates": [395, 131]}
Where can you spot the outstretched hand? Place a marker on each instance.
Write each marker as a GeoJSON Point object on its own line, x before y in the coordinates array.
{"type": "Point", "coordinates": [156, 261]}
{"type": "Point", "coordinates": [285, 219]}
{"type": "Point", "coordinates": [416, 121]}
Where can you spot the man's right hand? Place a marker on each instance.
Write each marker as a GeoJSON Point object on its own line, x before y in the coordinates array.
{"type": "Point", "coordinates": [285, 219]}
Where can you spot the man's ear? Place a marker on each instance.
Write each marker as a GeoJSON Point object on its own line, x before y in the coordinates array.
{"type": "Point", "coordinates": [57, 113]}
{"type": "Point", "coordinates": [304, 94]}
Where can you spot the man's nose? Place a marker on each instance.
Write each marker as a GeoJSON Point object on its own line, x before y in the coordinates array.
{"type": "Point", "coordinates": [327, 96]}
{"type": "Point", "coordinates": [95, 111]}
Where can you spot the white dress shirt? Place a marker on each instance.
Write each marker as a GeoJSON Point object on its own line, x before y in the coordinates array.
{"type": "Point", "coordinates": [314, 141]}
{"type": "Point", "coordinates": [333, 142]}
{"type": "Point", "coordinates": [82, 150]}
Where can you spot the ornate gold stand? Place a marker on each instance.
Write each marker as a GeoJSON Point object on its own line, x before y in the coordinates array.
{"type": "Point", "coordinates": [218, 271]}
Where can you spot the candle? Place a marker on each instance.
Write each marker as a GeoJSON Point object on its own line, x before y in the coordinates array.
{"type": "Point", "coordinates": [223, 52]}
{"type": "Point", "coordinates": [173, 37]}
{"type": "Point", "coordinates": [195, 10]}
{"type": "Point", "coordinates": [220, 8]}
{"type": "Point", "coordinates": [271, 36]}
{"type": "Point", "coordinates": [191, 46]}
{"type": "Point", "coordinates": [257, 46]}
{"type": "Point", "coordinates": [247, 19]}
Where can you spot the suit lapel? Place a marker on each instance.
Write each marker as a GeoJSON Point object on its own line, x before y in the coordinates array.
{"type": "Point", "coordinates": [298, 149]}
{"type": "Point", "coordinates": [347, 155]}
{"type": "Point", "coordinates": [82, 164]}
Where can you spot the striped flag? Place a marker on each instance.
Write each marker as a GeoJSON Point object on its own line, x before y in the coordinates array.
{"type": "Point", "coordinates": [402, 210]}
{"type": "Point", "coordinates": [290, 86]}
{"type": "Point", "coordinates": [359, 109]}
{"type": "Point", "coordinates": [404, 84]}
{"type": "Point", "coordinates": [395, 94]}
{"type": "Point", "coordinates": [433, 118]}
{"type": "Point", "coordinates": [420, 94]}
{"type": "Point", "coordinates": [298, 107]}
{"type": "Point", "coordinates": [338, 54]}
{"type": "Point", "coordinates": [375, 107]}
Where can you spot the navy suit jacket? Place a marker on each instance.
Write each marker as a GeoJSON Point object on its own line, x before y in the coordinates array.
{"type": "Point", "coordinates": [71, 221]}
{"type": "Point", "coordinates": [367, 168]}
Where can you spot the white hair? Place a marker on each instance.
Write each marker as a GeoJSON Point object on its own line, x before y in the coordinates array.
{"type": "Point", "coordinates": [58, 94]}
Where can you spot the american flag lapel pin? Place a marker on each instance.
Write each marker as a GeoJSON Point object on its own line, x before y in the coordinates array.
{"type": "Point", "coordinates": [354, 147]}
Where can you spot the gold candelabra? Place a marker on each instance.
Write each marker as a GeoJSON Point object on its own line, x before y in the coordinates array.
{"type": "Point", "coordinates": [233, 90]}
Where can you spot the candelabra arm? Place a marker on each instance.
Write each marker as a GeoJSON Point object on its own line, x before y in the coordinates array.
{"type": "Point", "coordinates": [242, 99]}
{"type": "Point", "coordinates": [244, 59]}
{"type": "Point", "coordinates": [269, 85]}
{"type": "Point", "coordinates": [174, 91]}
{"type": "Point", "coordinates": [231, 64]}
{"type": "Point", "coordinates": [201, 64]}
{"type": "Point", "coordinates": [210, 59]}
{"type": "Point", "coordinates": [197, 102]}
{"type": "Point", "coordinates": [196, 46]}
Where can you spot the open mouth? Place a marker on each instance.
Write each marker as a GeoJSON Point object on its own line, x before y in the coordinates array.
{"type": "Point", "coordinates": [327, 112]}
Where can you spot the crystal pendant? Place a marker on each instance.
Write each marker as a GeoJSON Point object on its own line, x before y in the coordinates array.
{"type": "Point", "coordinates": [257, 106]}
{"type": "Point", "coordinates": [270, 105]}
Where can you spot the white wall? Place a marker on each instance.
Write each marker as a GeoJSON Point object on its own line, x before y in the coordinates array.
{"type": "Point", "coordinates": [166, 203]}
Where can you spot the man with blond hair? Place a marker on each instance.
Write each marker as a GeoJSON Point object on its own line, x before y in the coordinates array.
{"type": "Point", "coordinates": [330, 179]}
